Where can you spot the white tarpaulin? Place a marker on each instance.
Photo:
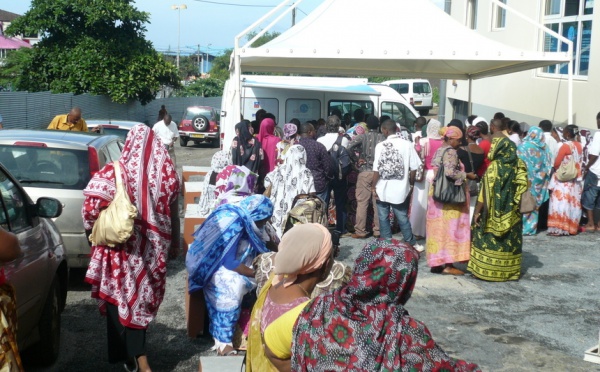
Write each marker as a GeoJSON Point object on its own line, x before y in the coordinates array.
{"type": "Point", "coordinates": [408, 38]}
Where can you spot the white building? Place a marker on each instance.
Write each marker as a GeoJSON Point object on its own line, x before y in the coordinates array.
{"type": "Point", "coordinates": [534, 95]}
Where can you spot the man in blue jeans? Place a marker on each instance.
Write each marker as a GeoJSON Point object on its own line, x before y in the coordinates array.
{"type": "Point", "coordinates": [395, 167]}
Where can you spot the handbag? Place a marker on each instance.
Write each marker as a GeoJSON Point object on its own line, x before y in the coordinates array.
{"type": "Point", "coordinates": [567, 170]}
{"type": "Point", "coordinates": [115, 223]}
{"type": "Point", "coordinates": [444, 189]}
{"type": "Point", "coordinates": [472, 184]}
{"type": "Point", "coordinates": [528, 202]}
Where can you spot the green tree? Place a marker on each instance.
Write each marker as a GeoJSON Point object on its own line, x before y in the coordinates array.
{"type": "Point", "coordinates": [93, 47]}
{"type": "Point", "coordinates": [10, 73]}
{"type": "Point", "coordinates": [209, 87]}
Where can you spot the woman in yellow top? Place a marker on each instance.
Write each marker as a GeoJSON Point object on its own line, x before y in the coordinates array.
{"type": "Point", "coordinates": [304, 259]}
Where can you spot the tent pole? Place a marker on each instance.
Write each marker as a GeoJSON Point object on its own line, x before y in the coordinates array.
{"type": "Point", "coordinates": [470, 107]}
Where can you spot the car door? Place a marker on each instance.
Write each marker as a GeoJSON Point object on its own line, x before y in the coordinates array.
{"type": "Point", "coordinates": [28, 273]}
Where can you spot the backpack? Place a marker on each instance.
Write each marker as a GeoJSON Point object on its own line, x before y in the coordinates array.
{"type": "Point", "coordinates": [340, 160]}
{"type": "Point", "coordinates": [391, 163]}
{"type": "Point", "coordinates": [306, 208]}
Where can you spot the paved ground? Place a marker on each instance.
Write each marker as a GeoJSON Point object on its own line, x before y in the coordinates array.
{"type": "Point", "coordinates": [545, 321]}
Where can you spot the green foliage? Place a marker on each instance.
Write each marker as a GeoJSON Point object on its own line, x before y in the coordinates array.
{"type": "Point", "coordinates": [220, 66]}
{"type": "Point", "coordinates": [265, 38]}
{"type": "Point", "coordinates": [210, 87]}
{"type": "Point", "coordinates": [10, 73]}
{"type": "Point", "coordinates": [93, 47]}
{"type": "Point", "coordinates": [436, 95]}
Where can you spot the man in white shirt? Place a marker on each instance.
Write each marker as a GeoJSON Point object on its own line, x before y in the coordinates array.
{"type": "Point", "coordinates": [546, 126]}
{"type": "Point", "coordinates": [339, 187]}
{"type": "Point", "coordinates": [395, 166]}
{"type": "Point", "coordinates": [590, 199]}
{"type": "Point", "coordinates": [166, 130]}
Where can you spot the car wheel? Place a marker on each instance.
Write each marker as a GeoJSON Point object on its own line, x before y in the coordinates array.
{"type": "Point", "coordinates": [183, 142]}
{"type": "Point", "coordinates": [424, 112]}
{"type": "Point", "coordinates": [200, 123]}
{"type": "Point", "coordinates": [49, 326]}
{"type": "Point", "coordinates": [216, 142]}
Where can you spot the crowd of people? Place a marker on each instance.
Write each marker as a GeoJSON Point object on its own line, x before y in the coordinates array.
{"type": "Point", "coordinates": [377, 179]}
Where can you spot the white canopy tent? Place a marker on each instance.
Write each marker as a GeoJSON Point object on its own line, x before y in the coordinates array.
{"type": "Point", "coordinates": [408, 38]}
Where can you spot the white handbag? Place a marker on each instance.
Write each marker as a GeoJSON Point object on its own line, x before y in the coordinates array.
{"type": "Point", "coordinates": [114, 225]}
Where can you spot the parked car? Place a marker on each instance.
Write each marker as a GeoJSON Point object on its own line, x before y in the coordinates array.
{"type": "Point", "coordinates": [117, 127]}
{"type": "Point", "coordinates": [201, 125]}
{"type": "Point", "coordinates": [40, 274]}
{"type": "Point", "coordinates": [60, 164]}
{"type": "Point", "coordinates": [416, 91]}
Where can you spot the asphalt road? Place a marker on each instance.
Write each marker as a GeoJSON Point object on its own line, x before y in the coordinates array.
{"type": "Point", "coordinates": [545, 321]}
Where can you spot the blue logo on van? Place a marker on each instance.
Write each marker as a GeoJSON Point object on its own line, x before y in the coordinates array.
{"type": "Point", "coordinates": [304, 108]}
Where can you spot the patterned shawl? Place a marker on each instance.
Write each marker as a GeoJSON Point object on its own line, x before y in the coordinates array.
{"type": "Point", "coordinates": [222, 232]}
{"type": "Point", "coordinates": [133, 276]}
{"type": "Point", "coordinates": [536, 155]}
{"type": "Point", "coordinates": [363, 326]}
{"type": "Point", "coordinates": [220, 160]}
{"type": "Point", "coordinates": [233, 184]}
{"type": "Point", "coordinates": [586, 140]}
{"type": "Point", "coordinates": [503, 184]}
{"type": "Point", "coordinates": [288, 180]}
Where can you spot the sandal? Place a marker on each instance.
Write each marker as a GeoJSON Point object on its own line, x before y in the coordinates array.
{"type": "Point", "coordinates": [231, 352]}
{"type": "Point", "coordinates": [131, 365]}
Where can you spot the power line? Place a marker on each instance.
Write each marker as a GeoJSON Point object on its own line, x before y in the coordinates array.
{"type": "Point", "coordinates": [235, 4]}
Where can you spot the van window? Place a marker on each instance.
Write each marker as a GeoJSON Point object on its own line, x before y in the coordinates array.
{"type": "Point", "coordinates": [421, 88]}
{"type": "Point", "coordinates": [302, 109]}
{"type": "Point", "coordinates": [348, 107]}
{"type": "Point", "coordinates": [399, 113]}
{"type": "Point", "coordinates": [400, 88]}
{"type": "Point", "coordinates": [252, 104]}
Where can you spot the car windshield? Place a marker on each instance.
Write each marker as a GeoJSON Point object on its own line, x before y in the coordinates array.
{"type": "Point", "coordinates": [192, 113]}
{"type": "Point", "coordinates": [47, 167]}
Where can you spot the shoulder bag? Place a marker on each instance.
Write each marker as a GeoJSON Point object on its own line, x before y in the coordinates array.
{"type": "Point", "coordinates": [567, 170]}
{"type": "Point", "coordinates": [114, 225]}
{"type": "Point", "coordinates": [473, 184]}
{"type": "Point", "coordinates": [528, 202]}
{"type": "Point", "coordinates": [444, 189]}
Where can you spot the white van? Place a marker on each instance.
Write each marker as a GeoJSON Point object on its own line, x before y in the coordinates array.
{"type": "Point", "coordinates": [415, 91]}
{"type": "Point", "coordinates": [310, 98]}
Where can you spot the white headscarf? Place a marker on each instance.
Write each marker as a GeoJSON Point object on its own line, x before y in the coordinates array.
{"type": "Point", "coordinates": [287, 181]}
{"type": "Point", "coordinates": [220, 160]}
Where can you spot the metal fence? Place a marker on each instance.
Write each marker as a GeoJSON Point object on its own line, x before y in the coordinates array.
{"type": "Point", "coordinates": [24, 110]}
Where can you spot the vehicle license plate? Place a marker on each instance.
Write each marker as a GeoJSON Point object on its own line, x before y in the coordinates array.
{"type": "Point", "coordinates": [197, 135]}
{"type": "Point", "coordinates": [418, 103]}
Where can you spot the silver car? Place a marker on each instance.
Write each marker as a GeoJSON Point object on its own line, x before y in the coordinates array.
{"type": "Point", "coordinates": [60, 164]}
{"type": "Point", "coordinates": [117, 127]}
{"type": "Point", "coordinates": [40, 274]}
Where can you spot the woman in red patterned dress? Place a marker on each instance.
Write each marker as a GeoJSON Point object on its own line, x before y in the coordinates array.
{"type": "Point", "coordinates": [129, 280]}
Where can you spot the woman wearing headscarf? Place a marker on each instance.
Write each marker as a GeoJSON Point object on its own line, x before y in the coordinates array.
{"type": "Point", "coordinates": [426, 147]}
{"type": "Point", "coordinates": [10, 360]}
{"type": "Point", "coordinates": [288, 180]}
{"type": "Point", "coordinates": [269, 142]}
{"type": "Point", "coordinates": [289, 139]}
{"type": "Point", "coordinates": [497, 224]}
{"type": "Point", "coordinates": [208, 196]}
{"type": "Point", "coordinates": [565, 211]}
{"type": "Point", "coordinates": [473, 162]}
{"type": "Point", "coordinates": [536, 155]}
{"type": "Point", "coordinates": [364, 326]}
{"type": "Point", "coordinates": [448, 230]}
{"type": "Point", "coordinates": [219, 262]}
{"type": "Point", "coordinates": [233, 184]}
{"type": "Point", "coordinates": [245, 149]}
{"type": "Point", "coordinates": [304, 259]}
{"type": "Point", "coordinates": [129, 280]}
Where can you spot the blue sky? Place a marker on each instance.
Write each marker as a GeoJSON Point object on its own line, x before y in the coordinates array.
{"type": "Point", "coordinates": [203, 22]}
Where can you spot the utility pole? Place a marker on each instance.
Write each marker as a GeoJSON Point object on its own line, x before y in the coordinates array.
{"type": "Point", "coordinates": [199, 60]}
{"type": "Point", "coordinates": [178, 9]}
{"type": "Point", "coordinates": [293, 17]}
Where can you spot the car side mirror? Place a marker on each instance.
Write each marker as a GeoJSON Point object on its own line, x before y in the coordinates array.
{"type": "Point", "coordinates": [48, 207]}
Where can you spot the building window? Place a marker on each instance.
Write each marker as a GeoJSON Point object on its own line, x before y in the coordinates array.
{"type": "Point", "coordinates": [573, 20]}
{"type": "Point", "coordinates": [499, 20]}
{"type": "Point", "coordinates": [448, 6]}
{"type": "Point", "coordinates": [472, 14]}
